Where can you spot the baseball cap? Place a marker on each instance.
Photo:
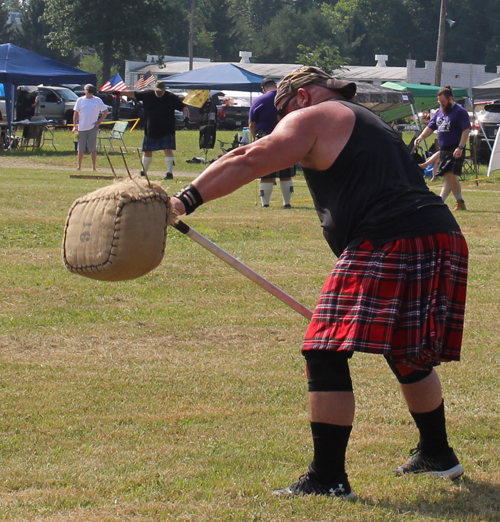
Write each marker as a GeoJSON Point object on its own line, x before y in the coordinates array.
{"type": "Point", "coordinates": [307, 75]}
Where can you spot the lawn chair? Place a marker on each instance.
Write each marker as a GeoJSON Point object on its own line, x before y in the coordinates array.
{"type": "Point", "coordinates": [116, 133]}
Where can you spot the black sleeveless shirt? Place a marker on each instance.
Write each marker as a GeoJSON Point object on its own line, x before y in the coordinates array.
{"type": "Point", "coordinates": [375, 190]}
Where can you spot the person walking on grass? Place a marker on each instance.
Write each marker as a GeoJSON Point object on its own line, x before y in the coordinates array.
{"type": "Point", "coordinates": [159, 124]}
{"type": "Point", "coordinates": [453, 127]}
{"type": "Point", "coordinates": [262, 120]}
{"type": "Point", "coordinates": [399, 285]}
{"type": "Point", "coordinates": [89, 112]}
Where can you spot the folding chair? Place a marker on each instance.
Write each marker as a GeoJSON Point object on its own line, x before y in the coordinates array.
{"type": "Point", "coordinates": [33, 133]}
{"type": "Point", "coordinates": [468, 166]}
{"type": "Point", "coordinates": [116, 133]}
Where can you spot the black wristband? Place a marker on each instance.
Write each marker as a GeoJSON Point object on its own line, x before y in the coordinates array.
{"type": "Point", "coordinates": [190, 198]}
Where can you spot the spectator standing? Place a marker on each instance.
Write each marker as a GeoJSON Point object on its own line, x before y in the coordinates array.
{"type": "Point", "coordinates": [159, 123]}
{"type": "Point", "coordinates": [398, 287]}
{"type": "Point", "coordinates": [453, 127]}
{"type": "Point", "coordinates": [89, 112]}
{"type": "Point", "coordinates": [262, 120]}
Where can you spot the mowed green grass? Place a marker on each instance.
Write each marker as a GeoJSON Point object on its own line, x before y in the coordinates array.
{"type": "Point", "coordinates": [181, 395]}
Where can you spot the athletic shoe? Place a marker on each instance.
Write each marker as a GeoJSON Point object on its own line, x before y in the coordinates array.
{"type": "Point", "coordinates": [309, 484]}
{"type": "Point", "coordinates": [265, 206]}
{"type": "Point", "coordinates": [143, 173]}
{"type": "Point", "coordinates": [287, 205]}
{"type": "Point", "coordinates": [169, 175]}
{"type": "Point", "coordinates": [445, 464]}
{"type": "Point", "coordinates": [459, 205]}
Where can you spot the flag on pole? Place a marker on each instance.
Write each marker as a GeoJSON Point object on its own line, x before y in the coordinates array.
{"type": "Point", "coordinates": [114, 84]}
{"type": "Point", "coordinates": [196, 98]}
{"type": "Point", "coordinates": [144, 81]}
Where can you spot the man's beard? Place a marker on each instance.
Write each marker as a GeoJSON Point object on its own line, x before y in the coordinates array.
{"type": "Point", "coordinates": [448, 107]}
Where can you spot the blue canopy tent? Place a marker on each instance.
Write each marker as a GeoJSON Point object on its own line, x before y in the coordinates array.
{"type": "Point", "coordinates": [19, 66]}
{"type": "Point", "coordinates": [218, 77]}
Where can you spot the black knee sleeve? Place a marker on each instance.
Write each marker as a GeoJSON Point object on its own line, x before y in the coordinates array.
{"type": "Point", "coordinates": [328, 371]}
{"type": "Point", "coordinates": [405, 374]}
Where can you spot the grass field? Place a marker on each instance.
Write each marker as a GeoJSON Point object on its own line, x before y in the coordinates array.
{"type": "Point", "coordinates": [181, 395]}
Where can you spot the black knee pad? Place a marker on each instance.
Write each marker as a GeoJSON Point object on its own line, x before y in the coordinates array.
{"type": "Point", "coordinates": [405, 374]}
{"type": "Point", "coordinates": [328, 371]}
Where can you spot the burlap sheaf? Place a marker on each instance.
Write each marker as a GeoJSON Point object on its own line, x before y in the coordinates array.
{"type": "Point", "coordinates": [117, 232]}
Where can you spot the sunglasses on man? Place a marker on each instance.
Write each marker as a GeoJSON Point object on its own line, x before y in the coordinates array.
{"type": "Point", "coordinates": [281, 111]}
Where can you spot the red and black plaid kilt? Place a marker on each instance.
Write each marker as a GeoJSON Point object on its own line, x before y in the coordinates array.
{"type": "Point", "coordinates": [405, 299]}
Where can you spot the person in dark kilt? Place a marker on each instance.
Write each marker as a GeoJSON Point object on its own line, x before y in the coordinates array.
{"type": "Point", "coordinates": [159, 123]}
{"type": "Point", "coordinates": [398, 288]}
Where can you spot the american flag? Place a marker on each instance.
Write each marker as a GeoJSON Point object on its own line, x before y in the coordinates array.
{"type": "Point", "coordinates": [144, 81]}
{"type": "Point", "coordinates": [114, 84]}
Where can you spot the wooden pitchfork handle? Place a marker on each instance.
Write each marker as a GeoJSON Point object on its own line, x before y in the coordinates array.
{"type": "Point", "coordinates": [243, 269]}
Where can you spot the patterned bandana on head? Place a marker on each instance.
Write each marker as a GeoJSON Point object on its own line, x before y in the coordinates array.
{"type": "Point", "coordinates": [307, 75]}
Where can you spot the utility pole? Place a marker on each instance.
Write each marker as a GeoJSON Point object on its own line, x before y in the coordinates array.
{"type": "Point", "coordinates": [440, 45]}
{"type": "Point", "coordinates": [191, 34]}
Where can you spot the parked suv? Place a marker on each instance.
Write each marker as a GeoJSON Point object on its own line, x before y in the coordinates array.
{"type": "Point", "coordinates": [489, 118]}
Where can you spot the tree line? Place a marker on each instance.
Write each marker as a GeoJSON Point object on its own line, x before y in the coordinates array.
{"type": "Point", "coordinates": [329, 33]}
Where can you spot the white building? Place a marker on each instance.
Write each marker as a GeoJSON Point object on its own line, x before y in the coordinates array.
{"type": "Point", "coordinates": [463, 75]}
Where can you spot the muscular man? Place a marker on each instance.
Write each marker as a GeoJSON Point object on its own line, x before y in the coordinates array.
{"type": "Point", "coordinates": [398, 287]}
{"type": "Point", "coordinates": [453, 127]}
{"type": "Point", "coordinates": [262, 120]}
{"type": "Point", "coordinates": [159, 125]}
{"type": "Point", "coordinates": [89, 112]}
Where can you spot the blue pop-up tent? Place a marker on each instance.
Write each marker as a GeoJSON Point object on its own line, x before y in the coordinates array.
{"type": "Point", "coordinates": [19, 66]}
{"type": "Point", "coordinates": [218, 77]}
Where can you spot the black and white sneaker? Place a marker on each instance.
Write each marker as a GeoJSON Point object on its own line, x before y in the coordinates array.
{"type": "Point", "coordinates": [445, 464]}
{"type": "Point", "coordinates": [308, 484]}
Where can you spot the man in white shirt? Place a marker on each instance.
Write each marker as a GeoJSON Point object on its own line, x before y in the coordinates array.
{"type": "Point", "coordinates": [86, 121]}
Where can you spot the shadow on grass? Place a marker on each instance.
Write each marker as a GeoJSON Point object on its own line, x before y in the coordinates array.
{"type": "Point", "coordinates": [473, 500]}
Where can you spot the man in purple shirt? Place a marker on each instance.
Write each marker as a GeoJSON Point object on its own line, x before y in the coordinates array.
{"type": "Point", "coordinates": [453, 126]}
{"type": "Point", "coordinates": [263, 117]}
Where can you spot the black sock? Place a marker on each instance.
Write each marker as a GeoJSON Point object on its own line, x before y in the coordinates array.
{"type": "Point", "coordinates": [330, 444]}
{"type": "Point", "coordinates": [432, 428]}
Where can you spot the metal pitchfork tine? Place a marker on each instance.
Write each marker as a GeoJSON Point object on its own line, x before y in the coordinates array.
{"type": "Point", "coordinates": [126, 166]}
{"type": "Point", "coordinates": [109, 161]}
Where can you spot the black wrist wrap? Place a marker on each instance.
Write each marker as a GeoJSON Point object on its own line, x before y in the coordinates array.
{"type": "Point", "coordinates": [190, 198]}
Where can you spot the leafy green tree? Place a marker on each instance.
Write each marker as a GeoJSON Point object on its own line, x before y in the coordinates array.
{"type": "Point", "coordinates": [280, 40]}
{"type": "Point", "coordinates": [219, 29]}
{"type": "Point", "coordinates": [5, 30]}
{"type": "Point", "coordinates": [345, 20]}
{"type": "Point", "coordinates": [324, 56]}
{"type": "Point", "coordinates": [174, 27]}
{"type": "Point", "coordinates": [34, 31]}
{"type": "Point", "coordinates": [259, 13]}
{"type": "Point", "coordinates": [113, 28]}
{"type": "Point", "coordinates": [93, 64]}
